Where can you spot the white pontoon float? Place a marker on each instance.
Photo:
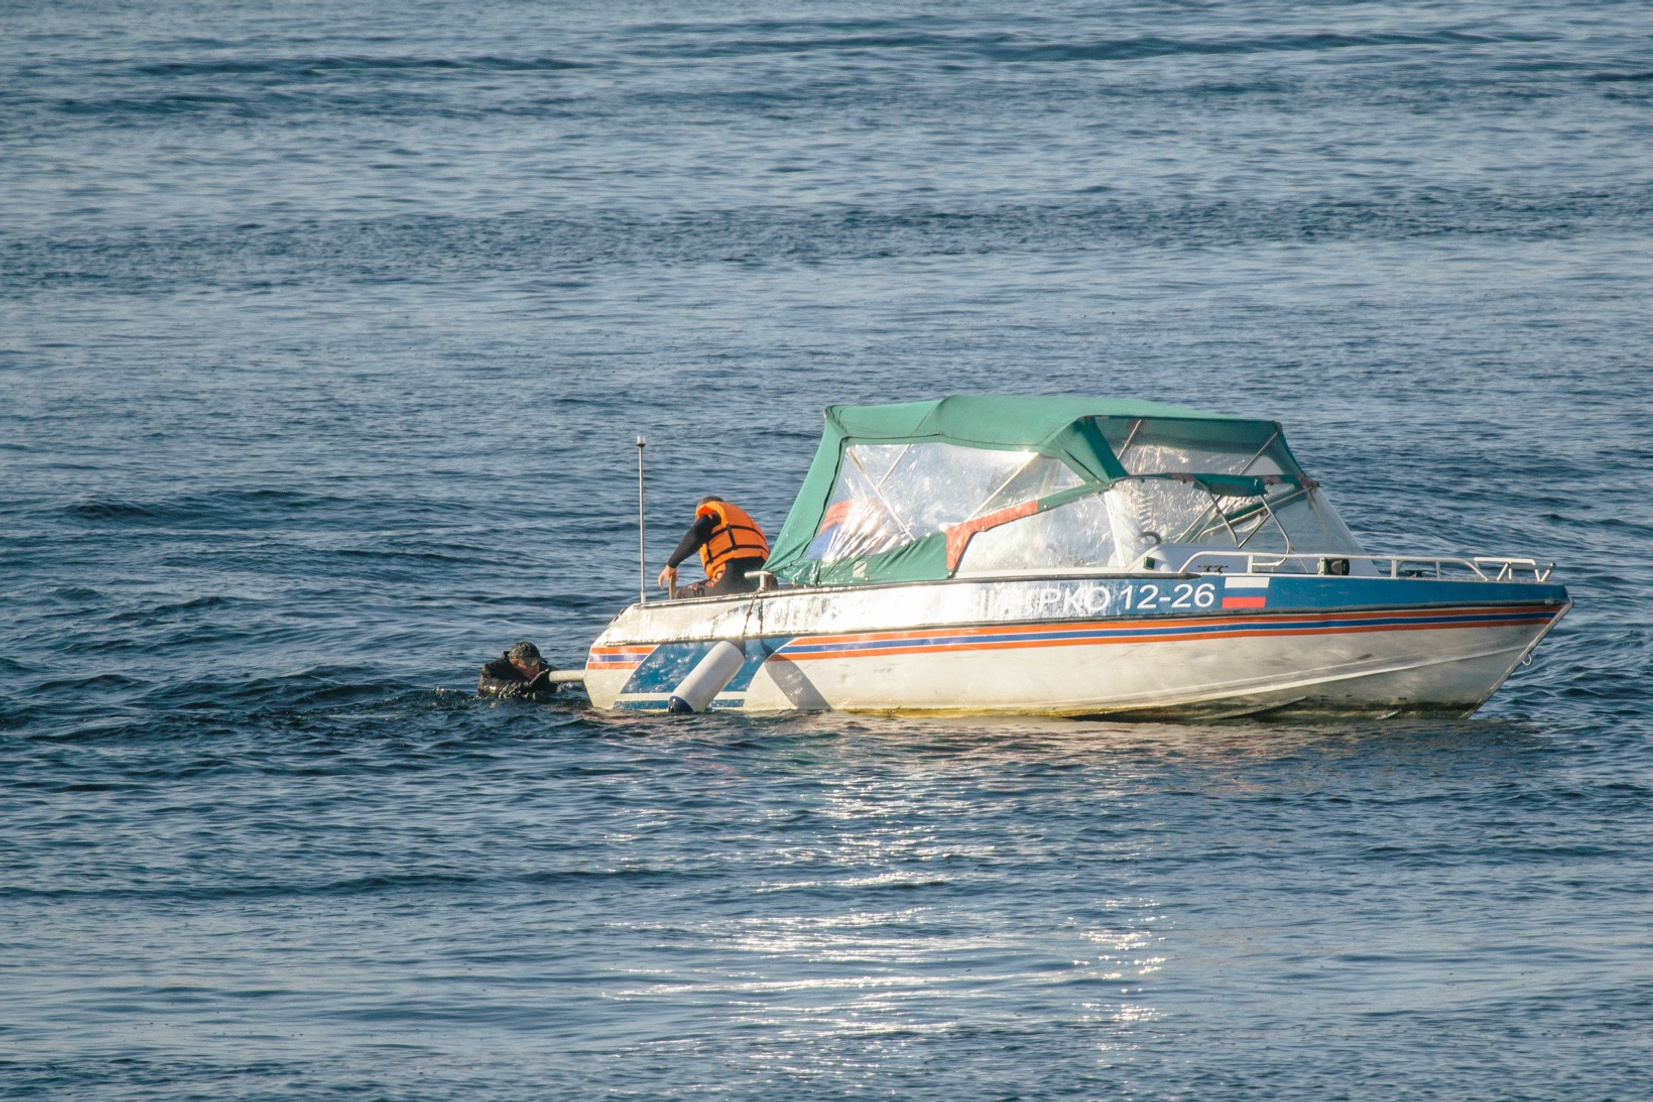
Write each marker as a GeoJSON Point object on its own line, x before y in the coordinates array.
{"type": "Point", "coordinates": [1075, 557]}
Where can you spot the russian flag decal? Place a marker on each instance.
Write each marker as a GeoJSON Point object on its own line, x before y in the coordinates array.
{"type": "Point", "coordinates": [1246, 600]}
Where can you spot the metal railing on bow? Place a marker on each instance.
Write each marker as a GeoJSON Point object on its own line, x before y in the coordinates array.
{"type": "Point", "coordinates": [1485, 568]}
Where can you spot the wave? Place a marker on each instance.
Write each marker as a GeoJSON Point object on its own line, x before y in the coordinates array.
{"type": "Point", "coordinates": [220, 507]}
{"type": "Point", "coordinates": [90, 683]}
{"type": "Point", "coordinates": [1130, 49]}
{"type": "Point", "coordinates": [15, 716]}
{"type": "Point", "coordinates": [374, 884]}
{"type": "Point", "coordinates": [1620, 78]}
{"type": "Point", "coordinates": [170, 608]}
{"type": "Point", "coordinates": [375, 250]}
{"type": "Point", "coordinates": [292, 67]}
{"type": "Point", "coordinates": [320, 686]}
{"type": "Point", "coordinates": [1018, 48]}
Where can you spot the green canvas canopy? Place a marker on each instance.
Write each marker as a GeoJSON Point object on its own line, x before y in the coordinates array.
{"type": "Point", "coordinates": [896, 490]}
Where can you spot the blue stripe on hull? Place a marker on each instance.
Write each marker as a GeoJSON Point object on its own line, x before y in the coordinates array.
{"type": "Point", "coordinates": [1216, 627]}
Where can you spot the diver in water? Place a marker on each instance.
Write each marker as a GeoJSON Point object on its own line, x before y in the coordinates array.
{"type": "Point", "coordinates": [731, 545]}
{"type": "Point", "coordinates": [518, 674]}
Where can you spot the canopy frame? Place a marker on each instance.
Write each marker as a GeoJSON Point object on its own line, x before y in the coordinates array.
{"type": "Point", "coordinates": [1073, 431]}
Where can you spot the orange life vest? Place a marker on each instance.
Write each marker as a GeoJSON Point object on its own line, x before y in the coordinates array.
{"type": "Point", "coordinates": [737, 536]}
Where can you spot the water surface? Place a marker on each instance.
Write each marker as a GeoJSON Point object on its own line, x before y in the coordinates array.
{"type": "Point", "coordinates": [326, 330]}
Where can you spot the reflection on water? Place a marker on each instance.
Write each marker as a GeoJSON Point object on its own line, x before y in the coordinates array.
{"type": "Point", "coordinates": [1111, 884]}
{"type": "Point", "coordinates": [958, 743]}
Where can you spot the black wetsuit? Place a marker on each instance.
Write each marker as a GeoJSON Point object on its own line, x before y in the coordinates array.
{"type": "Point", "coordinates": [734, 579]}
{"type": "Point", "coordinates": [500, 678]}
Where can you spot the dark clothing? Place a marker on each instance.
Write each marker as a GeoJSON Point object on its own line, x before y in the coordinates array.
{"type": "Point", "coordinates": [693, 540]}
{"type": "Point", "coordinates": [500, 678]}
{"type": "Point", "coordinates": [732, 580]}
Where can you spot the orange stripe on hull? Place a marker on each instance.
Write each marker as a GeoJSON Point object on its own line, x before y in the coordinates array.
{"type": "Point", "coordinates": [617, 659]}
{"type": "Point", "coordinates": [1217, 624]}
{"type": "Point", "coordinates": [1226, 633]}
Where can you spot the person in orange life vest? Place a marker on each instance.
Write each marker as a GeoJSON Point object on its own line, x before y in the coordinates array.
{"type": "Point", "coordinates": [731, 546]}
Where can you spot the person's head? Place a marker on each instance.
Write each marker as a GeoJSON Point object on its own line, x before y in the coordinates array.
{"type": "Point", "coordinates": [525, 657]}
{"type": "Point", "coordinates": [707, 500]}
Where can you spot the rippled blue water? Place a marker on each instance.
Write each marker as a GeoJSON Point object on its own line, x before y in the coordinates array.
{"type": "Point", "coordinates": [325, 330]}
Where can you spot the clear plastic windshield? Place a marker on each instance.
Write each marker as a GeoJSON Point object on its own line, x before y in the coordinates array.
{"type": "Point", "coordinates": [1285, 517]}
{"type": "Point", "coordinates": [1136, 516]}
{"type": "Point", "coordinates": [888, 495]}
{"type": "Point", "coordinates": [1184, 447]}
{"type": "Point", "coordinates": [1076, 535]}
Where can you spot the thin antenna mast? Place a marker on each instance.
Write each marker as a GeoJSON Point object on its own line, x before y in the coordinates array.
{"type": "Point", "coordinates": [642, 556]}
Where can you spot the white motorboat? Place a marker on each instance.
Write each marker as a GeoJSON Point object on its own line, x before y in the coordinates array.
{"type": "Point", "coordinates": [1075, 557]}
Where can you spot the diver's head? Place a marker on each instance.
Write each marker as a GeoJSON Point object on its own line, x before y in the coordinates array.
{"type": "Point", "coordinates": [525, 656]}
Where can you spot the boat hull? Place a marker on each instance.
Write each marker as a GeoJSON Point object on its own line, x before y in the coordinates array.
{"type": "Point", "coordinates": [1152, 645]}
